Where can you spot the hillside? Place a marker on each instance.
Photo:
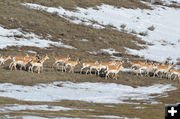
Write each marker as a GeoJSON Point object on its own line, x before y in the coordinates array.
{"type": "Point", "coordinates": [88, 30]}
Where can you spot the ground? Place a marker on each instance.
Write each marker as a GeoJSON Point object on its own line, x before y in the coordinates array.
{"type": "Point", "coordinates": [13, 15]}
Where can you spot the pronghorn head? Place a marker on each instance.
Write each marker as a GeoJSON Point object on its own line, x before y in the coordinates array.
{"type": "Point", "coordinates": [46, 57]}
{"type": "Point", "coordinates": [9, 57]}
{"type": "Point", "coordinates": [78, 61]}
{"type": "Point", "coordinates": [96, 62]}
{"type": "Point", "coordinates": [68, 57]}
{"type": "Point", "coordinates": [27, 55]}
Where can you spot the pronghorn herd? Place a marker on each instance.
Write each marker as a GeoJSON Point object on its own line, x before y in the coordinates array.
{"type": "Point", "coordinates": [111, 68]}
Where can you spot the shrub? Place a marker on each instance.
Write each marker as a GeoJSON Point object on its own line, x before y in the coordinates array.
{"type": "Point", "coordinates": [151, 28]}
{"type": "Point", "coordinates": [143, 33]}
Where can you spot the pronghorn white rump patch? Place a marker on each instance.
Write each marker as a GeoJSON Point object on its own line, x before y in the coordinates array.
{"type": "Point", "coordinates": [90, 92]}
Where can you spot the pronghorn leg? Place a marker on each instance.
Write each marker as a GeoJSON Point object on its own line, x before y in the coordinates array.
{"type": "Point", "coordinates": [107, 74]}
{"type": "Point", "coordinates": [156, 73]}
{"type": "Point", "coordinates": [169, 76]}
{"type": "Point", "coordinates": [175, 77]}
{"type": "Point", "coordinates": [116, 76]}
{"type": "Point", "coordinates": [73, 69]}
{"type": "Point", "coordinates": [87, 71]}
{"type": "Point", "coordinates": [95, 71]}
{"type": "Point", "coordinates": [29, 69]}
{"type": "Point", "coordinates": [20, 67]}
{"type": "Point", "coordinates": [141, 73]}
{"type": "Point", "coordinates": [98, 72]}
{"type": "Point", "coordinates": [90, 71]}
{"type": "Point", "coordinates": [63, 68]}
{"type": "Point", "coordinates": [178, 77]}
{"type": "Point", "coordinates": [38, 68]}
{"type": "Point", "coordinates": [81, 70]}
{"type": "Point", "coordinates": [10, 65]}
{"type": "Point", "coordinates": [32, 69]}
{"type": "Point", "coordinates": [70, 69]}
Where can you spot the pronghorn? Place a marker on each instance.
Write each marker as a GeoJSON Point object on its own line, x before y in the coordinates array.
{"type": "Point", "coordinates": [61, 60]}
{"type": "Point", "coordinates": [114, 70]}
{"type": "Point", "coordinates": [137, 64]}
{"type": "Point", "coordinates": [30, 57]}
{"type": "Point", "coordinates": [176, 74]}
{"type": "Point", "coordinates": [72, 65]}
{"type": "Point", "coordinates": [146, 68]}
{"type": "Point", "coordinates": [88, 65]}
{"type": "Point", "coordinates": [16, 58]}
{"type": "Point", "coordinates": [163, 69]}
{"type": "Point", "coordinates": [21, 62]}
{"type": "Point", "coordinates": [38, 64]}
{"type": "Point", "coordinates": [3, 59]}
{"type": "Point", "coordinates": [105, 65]}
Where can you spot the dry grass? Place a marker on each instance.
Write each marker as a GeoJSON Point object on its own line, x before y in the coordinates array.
{"type": "Point", "coordinates": [71, 4]}
{"type": "Point", "coordinates": [13, 15]}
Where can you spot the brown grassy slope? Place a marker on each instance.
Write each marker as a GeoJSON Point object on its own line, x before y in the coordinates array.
{"type": "Point", "coordinates": [71, 4]}
{"type": "Point", "coordinates": [13, 15]}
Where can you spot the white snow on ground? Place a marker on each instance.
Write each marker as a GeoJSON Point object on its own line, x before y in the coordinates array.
{"type": "Point", "coordinates": [114, 117]}
{"type": "Point", "coordinates": [90, 92]}
{"type": "Point", "coordinates": [110, 51]}
{"type": "Point", "coordinates": [16, 37]}
{"type": "Point", "coordinates": [168, 2]}
{"type": "Point", "coordinates": [165, 37]}
{"type": "Point", "coordinates": [16, 107]}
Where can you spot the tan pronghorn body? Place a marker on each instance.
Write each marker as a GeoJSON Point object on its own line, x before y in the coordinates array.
{"type": "Point", "coordinates": [3, 59]}
{"type": "Point", "coordinates": [114, 70]}
{"type": "Point", "coordinates": [163, 69]}
{"type": "Point", "coordinates": [21, 62]}
{"type": "Point", "coordinates": [146, 68]}
{"type": "Point", "coordinates": [71, 64]}
{"type": "Point", "coordinates": [137, 64]}
{"type": "Point", "coordinates": [38, 64]}
{"type": "Point", "coordinates": [176, 74]}
{"type": "Point", "coordinates": [88, 65]}
{"type": "Point", "coordinates": [61, 60]}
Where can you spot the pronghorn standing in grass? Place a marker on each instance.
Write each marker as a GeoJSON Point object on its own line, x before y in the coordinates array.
{"type": "Point", "coordinates": [163, 69]}
{"type": "Point", "coordinates": [38, 64]}
{"type": "Point", "coordinates": [176, 74]}
{"type": "Point", "coordinates": [72, 65]}
{"type": "Point", "coordinates": [114, 70]}
{"type": "Point", "coordinates": [3, 59]}
{"type": "Point", "coordinates": [137, 64]}
{"type": "Point", "coordinates": [21, 60]}
{"type": "Point", "coordinates": [87, 65]}
{"type": "Point", "coordinates": [146, 68]}
{"type": "Point", "coordinates": [61, 60]}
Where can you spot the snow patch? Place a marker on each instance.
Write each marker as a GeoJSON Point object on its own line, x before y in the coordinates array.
{"type": "Point", "coordinates": [16, 107]}
{"type": "Point", "coordinates": [165, 36]}
{"type": "Point", "coordinates": [16, 37]}
{"type": "Point", "coordinates": [90, 92]}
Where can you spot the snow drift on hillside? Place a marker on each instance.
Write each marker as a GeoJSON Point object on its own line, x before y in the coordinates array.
{"type": "Point", "coordinates": [159, 26]}
{"type": "Point", "coordinates": [15, 37]}
{"type": "Point", "coordinates": [90, 92]}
